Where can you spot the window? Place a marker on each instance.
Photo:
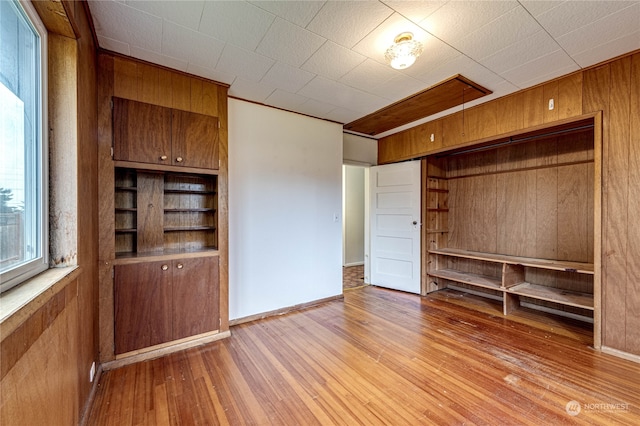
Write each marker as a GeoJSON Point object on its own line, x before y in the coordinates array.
{"type": "Point", "coordinates": [23, 148]}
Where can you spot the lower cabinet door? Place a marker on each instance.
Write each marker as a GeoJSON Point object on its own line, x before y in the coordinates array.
{"type": "Point", "coordinates": [195, 296]}
{"type": "Point", "coordinates": [142, 302]}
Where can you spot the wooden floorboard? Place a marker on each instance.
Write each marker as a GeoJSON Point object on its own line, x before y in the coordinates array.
{"type": "Point", "coordinates": [381, 357]}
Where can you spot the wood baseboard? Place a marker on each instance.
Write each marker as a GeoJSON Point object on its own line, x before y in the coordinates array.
{"type": "Point", "coordinates": [161, 350]}
{"type": "Point", "coordinates": [283, 311]}
{"type": "Point", "coordinates": [620, 354]}
{"type": "Point", "coordinates": [84, 416]}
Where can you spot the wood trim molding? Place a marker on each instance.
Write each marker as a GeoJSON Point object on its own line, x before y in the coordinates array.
{"type": "Point", "coordinates": [620, 354]}
{"type": "Point", "coordinates": [451, 92]}
{"type": "Point", "coordinates": [286, 310]}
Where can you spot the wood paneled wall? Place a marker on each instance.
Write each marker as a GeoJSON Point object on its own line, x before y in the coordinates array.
{"type": "Point", "coordinates": [47, 347]}
{"type": "Point", "coordinates": [139, 81]}
{"type": "Point", "coordinates": [614, 89]}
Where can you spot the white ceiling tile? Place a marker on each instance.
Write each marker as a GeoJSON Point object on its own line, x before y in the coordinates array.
{"type": "Point", "coordinates": [289, 43]}
{"type": "Point", "coordinates": [342, 115]}
{"type": "Point", "coordinates": [608, 50]}
{"type": "Point", "coordinates": [534, 46]}
{"type": "Point", "coordinates": [126, 24]}
{"type": "Point", "coordinates": [236, 22]}
{"type": "Point", "coordinates": [435, 54]}
{"type": "Point", "coordinates": [515, 25]}
{"type": "Point", "coordinates": [398, 87]}
{"type": "Point", "coordinates": [210, 74]}
{"type": "Point", "coordinates": [554, 73]}
{"type": "Point", "coordinates": [332, 61]}
{"type": "Point", "coordinates": [376, 43]}
{"type": "Point", "coordinates": [202, 49]}
{"type": "Point", "coordinates": [467, 67]}
{"type": "Point", "coordinates": [456, 19]}
{"type": "Point", "coordinates": [523, 74]}
{"type": "Point", "coordinates": [114, 45]}
{"type": "Point", "coordinates": [315, 108]}
{"type": "Point", "coordinates": [368, 74]}
{"type": "Point", "coordinates": [297, 12]}
{"type": "Point", "coordinates": [286, 100]}
{"type": "Point", "coordinates": [185, 12]}
{"type": "Point", "coordinates": [415, 10]}
{"type": "Point", "coordinates": [348, 22]}
{"type": "Point", "coordinates": [157, 58]}
{"type": "Point", "coordinates": [250, 90]}
{"type": "Point", "coordinates": [243, 63]}
{"type": "Point", "coordinates": [571, 15]}
{"type": "Point", "coordinates": [333, 92]}
{"type": "Point", "coordinates": [538, 7]}
{"type": "Point", "coordinates": [287, 78]}
{"type": "Point", "coordinates": [609, 28]}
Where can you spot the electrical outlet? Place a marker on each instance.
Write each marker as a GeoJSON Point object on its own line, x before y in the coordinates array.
{"type": "Point", "coordinates": [92, 372]}
{"type": "Point", "coordinates": [336, 217]}
{"type": "Point", "coordinates": [551, 104]}
{"type": "Point", "coordinates": [432, 138]}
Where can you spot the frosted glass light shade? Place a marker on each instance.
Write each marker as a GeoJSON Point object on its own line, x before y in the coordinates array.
{"type": "Point", "coordinates": [404, 52]}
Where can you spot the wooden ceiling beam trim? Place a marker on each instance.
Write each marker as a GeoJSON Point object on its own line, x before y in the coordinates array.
{"type": "Point", "coordinates": [435, 99]}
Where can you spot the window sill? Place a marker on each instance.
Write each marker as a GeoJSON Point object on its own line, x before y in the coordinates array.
{"type": "Point", "coordinates": [35, 292]}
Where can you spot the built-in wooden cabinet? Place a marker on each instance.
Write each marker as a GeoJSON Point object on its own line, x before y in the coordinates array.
{"type": "Point", "coordinates": [158, 212]}
{"type": "Point", "coordinates": [146, 133]}
{"type": "Point", "coordinates": [515, 219]}
{"type": "Point", "coordinates": [161, 301]}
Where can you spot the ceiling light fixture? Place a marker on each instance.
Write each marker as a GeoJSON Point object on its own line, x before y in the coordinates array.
{"type": "Point", "coordinates": [403, 53]}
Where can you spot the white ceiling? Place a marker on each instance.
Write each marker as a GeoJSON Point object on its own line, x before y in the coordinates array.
{"type": "Point", "coordinates": [326, 58]}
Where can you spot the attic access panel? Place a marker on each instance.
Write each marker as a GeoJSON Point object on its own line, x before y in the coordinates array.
{"type": "Point", "coordinates": [442, 96]}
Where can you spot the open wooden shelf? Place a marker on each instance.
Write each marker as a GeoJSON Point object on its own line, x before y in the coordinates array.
{"type": "Point", "coordinates": [205, 210]}
{"type": "Point", "coordinates": [556, 265]}
{"type": "Point", "coordinates": [189, 228]}
{"type": "Point", "coordinates": [136, 257]}
{"type": "Point", "coordinates": [188, 191]}
{"type": "Point", "coordinates": [556, 295]}
{"type": "Point", "coordinates": [478, 280]}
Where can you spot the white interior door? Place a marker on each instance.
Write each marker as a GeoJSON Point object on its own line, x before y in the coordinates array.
{"type": "Point", "coordinates": [395, 226]}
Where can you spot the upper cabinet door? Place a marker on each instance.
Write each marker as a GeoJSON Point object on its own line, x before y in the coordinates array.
{"type": "Point", "coordinates": [195, 140]}
{"type": "Point", "coordinates": [141, 132]}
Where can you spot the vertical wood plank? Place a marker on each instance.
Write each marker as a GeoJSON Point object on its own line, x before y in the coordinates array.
{"type": "Point", "coordinates": [127, 79]}
{"type": "Point", "coordinates": [210, 99]}
{"type": "Point", "coordinates": [150, 87]}
{"type": "Point", "coordinates": [507, 114]}
{"type": "Point", "coordinates": [570, 96]}
{"type": "Point", "coordinates": [533, 107]}
{"type": "Point", "coordinates": [180, 92]}
{"type": "Point", "coordinates": [197, 104]}
{"type": "Point", "coordinates": [633, 227]}
{"type": "Point", "coordinates": [452, 130]}
{"type": "Point", "coordinates": [617, 199]}
{"type": "Point", "coordinates": [165, 92]}
{"type": "Point", "coordinates": [596, 87]}
{"type": "Point", "coordinates": [150, 212]}
{"type": "Point", "coordinates": [573, 190]}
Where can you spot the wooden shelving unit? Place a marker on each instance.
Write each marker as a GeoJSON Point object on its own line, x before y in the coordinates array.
{"type": "Point", "coordinates": [517, 221]}
{"type": "Point", "coordinates": [180, 213]}
{"type": "Point", "coordinates": [512, 281]}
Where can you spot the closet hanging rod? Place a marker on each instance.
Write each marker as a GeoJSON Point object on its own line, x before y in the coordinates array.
{"type": "Point", "coordinates": [512, 140]}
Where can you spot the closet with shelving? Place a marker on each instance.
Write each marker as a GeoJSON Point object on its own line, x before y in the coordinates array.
{"type": "Point", "coordinates": [514, 219]}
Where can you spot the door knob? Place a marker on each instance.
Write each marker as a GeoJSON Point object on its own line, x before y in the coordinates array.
{"type": "Point", "coordinates": [163, 157]}
{"type": "Point", "coordinates": [415, 222]}
{"type": "Point", "coordinates": [179, 266]}
{"type": "Point", "coordinates": [164, 267]}
{"type": "Point", "coordinates": [179, 159]}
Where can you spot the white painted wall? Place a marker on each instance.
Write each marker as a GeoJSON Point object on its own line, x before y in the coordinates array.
{"type": "Point", "coordinates": [359, 150]}
{"type": "Point", "coordinates": [285, 186]}
{"type": "Point", "coordinates": [353, 219]}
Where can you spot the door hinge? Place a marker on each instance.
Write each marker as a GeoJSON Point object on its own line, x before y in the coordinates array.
{"type": "Point", "coordinates": [111, 152]}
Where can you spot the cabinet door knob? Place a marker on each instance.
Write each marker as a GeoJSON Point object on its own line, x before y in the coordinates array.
{"type": "Point", "coordinates": [163, 157]}
{"type": "Point", "coordinates": [179, 159]}
{"type": "Point", "coordinates": [164, 267]}
{"type": "Point", "coordinates": [179, 266]}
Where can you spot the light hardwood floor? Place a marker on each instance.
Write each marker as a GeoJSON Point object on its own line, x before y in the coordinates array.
{"type": "Point", "coordinates": [381, 357]}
